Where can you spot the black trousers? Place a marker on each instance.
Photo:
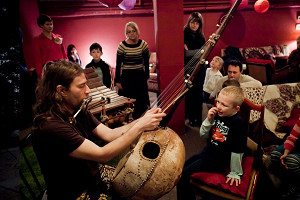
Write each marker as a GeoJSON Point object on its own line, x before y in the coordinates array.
{"type": "Point", "coordinates": [194, 97]}
{"type": "Point", "coordinates": [134, 83]}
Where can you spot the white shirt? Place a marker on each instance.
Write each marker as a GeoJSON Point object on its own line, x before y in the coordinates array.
{"type": "Point", "coordinates": [211, 79]}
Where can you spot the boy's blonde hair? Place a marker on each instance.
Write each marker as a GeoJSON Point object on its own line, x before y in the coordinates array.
{"type": "Point", "coordinates": [220, 60]}
{"type": "Point", "coordinates": [236, 92]}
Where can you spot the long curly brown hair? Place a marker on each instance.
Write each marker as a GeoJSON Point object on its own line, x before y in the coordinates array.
{"type": "Point", "coordinates": [49, 102]}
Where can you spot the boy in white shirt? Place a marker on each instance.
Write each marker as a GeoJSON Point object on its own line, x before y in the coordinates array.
{"type": "Point", "coordinates": [212, 76]}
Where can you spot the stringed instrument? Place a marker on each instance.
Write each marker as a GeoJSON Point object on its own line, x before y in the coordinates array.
{"type": "Point", "coordinates": [154, 166]}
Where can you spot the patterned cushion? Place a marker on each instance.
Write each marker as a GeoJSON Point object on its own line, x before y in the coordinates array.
{"type": "Point", "coordinates": [278, 50]}
{"type": "Point", "coordinates": [280, 101]}
{"type": "Point", "coordinates": [255, 52]}
{"type": "Point", "coordinates": [255, 95]}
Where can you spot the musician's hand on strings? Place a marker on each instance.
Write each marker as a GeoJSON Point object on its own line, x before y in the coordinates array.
{"type": "Point", "coordinates": [151, 119]}
{"type": "Point", "coordinates": [212, 113]}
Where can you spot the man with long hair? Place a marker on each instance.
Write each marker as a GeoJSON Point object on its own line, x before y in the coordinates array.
{"type": "Point", "coordinates": [63, 138]}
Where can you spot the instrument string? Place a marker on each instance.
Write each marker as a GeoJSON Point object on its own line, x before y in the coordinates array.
{"type": "Point", "coordinates": [175, 87]}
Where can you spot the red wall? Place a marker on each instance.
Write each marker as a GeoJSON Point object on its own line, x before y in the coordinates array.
{"type": "Point", "coordinates": [107, 31]}
{"type": "Point", "coordinates": [246, 29]}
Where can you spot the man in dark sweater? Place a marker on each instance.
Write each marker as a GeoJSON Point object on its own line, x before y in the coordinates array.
{"type": "Point", "coordinates": [101, 68]}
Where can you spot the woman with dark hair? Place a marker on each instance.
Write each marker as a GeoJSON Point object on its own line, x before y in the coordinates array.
{"type": "Point", "coordinates": [64, 134]}
{"type": "Point", "coordinates": [193, 33]}
{"type": "Point", "coordinates": [194, 40]}
{"type": "Point", "coordinates": [73, 55]}
{"type": "Point", "coordinates": [48, 46]}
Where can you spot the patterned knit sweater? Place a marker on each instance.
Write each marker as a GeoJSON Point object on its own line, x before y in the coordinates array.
{"type": "Point", "coordinates": [132, 56]}
{"type": "Point", "coordinates": [291, 140]}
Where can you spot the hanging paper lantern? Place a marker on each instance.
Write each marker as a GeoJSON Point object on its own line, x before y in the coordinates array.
{"type": "Point", "coordinates": [127, 4]}
{"type": "Point", "coordinates": [110, 3]}
{"type": "Point", "coordinates": [242, 5]}
{"type": "Point", "coordinates": [261, 6]}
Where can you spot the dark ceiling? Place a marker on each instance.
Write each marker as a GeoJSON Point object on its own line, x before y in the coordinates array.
{"type": "Point", "coordinates": [143, 7]}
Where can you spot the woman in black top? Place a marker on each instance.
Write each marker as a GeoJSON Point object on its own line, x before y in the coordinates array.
{"type": "Point", "coordinates": [194, 40]}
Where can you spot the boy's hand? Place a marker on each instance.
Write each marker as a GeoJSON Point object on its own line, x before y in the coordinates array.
{"type": "Point", "coordinates": [212, 113]}
{"type": "Point", "coordinates": [286, 152]}
{"type": "Point", "coordinates": [232, 180]}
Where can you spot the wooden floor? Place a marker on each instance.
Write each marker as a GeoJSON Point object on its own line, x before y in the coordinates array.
{"type": "Point", "coordinates": [193, 144]}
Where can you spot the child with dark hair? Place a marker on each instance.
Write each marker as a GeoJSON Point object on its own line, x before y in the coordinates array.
{"type": "Point", "coordinates": [73, 55]}
{"type": "Point", "coordinates": [101, 68]}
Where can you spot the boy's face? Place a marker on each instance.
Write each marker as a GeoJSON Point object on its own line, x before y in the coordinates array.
{"type": "Point", "coordinates": [214, 64]}
{"type": "Point", "coordinates": [225, 105]}
{"type": "Point", "coordinates": [48, 26]}
{"type": "Point", "coordinates": [96, 54]}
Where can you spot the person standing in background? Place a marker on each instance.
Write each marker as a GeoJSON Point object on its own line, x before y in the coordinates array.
{"type": "Point", "coordinates": [133, 59]}
{"type": "Point", "coordinates": [102, 69]}
{"type": "Point", "coordinates": [47, 46]}
{"type": "Point", "coordinates": [73, 55]}
{"type": "Point", "coordinates": [194, 40]}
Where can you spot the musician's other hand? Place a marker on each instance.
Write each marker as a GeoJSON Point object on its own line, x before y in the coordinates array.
{"type": "Point", "coordinates": [212, 113]}
{"type": "Point", "coordinates": [151, 119]}
{"type": "Point", "coordinates": [232, 180]}
{"type": "Point", "coordinates": [119, 86]}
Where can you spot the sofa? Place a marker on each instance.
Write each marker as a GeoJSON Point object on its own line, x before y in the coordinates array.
{"type": "Point", "coordinates": [153, 81]}
{"type": "Point", "coordinates": [282, 109]}
{"type": "Point", "coordinates": [268, 64]}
